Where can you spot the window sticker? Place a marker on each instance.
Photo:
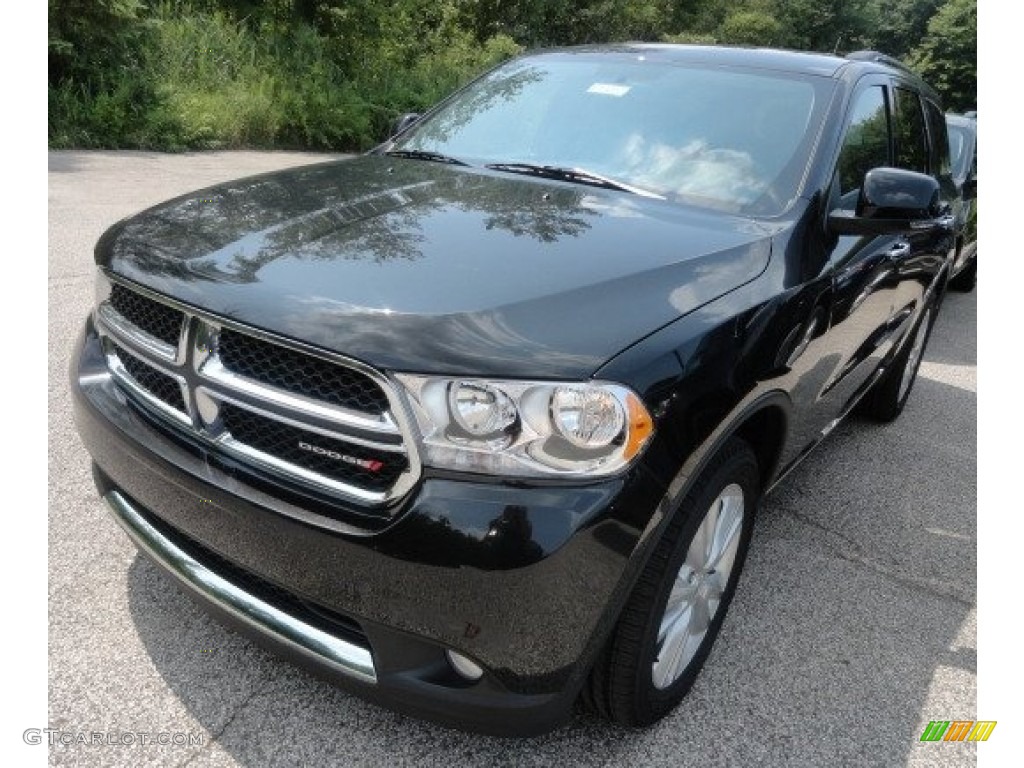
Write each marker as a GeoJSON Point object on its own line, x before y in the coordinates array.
{"type": "Point", "coordinates": [608, 89]}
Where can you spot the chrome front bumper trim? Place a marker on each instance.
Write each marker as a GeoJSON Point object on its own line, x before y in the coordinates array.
{"type": "Point", "coordinates": [341, 655]}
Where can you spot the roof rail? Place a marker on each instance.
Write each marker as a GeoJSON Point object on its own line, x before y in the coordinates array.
{"type": "Point", "coordinates": [879, 58]}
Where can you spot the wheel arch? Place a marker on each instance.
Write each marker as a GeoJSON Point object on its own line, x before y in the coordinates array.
{"type": "Point", "coordinates": [763, 422]}
{"type": "Point", "coordinates": [765, 431]}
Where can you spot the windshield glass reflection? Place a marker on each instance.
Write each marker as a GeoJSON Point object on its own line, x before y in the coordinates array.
{"type": "Point", "coordinates": [728, 139]}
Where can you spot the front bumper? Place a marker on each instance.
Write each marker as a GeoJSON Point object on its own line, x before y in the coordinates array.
{"type": "Point", "coordinates": [525, 580]}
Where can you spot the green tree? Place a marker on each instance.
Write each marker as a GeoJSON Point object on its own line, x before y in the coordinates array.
{"type": "Point", "coordinates": [89, 38]}
{"type": "Point", "coordinates": [899, 25]}
{"type": "Point", "coordinates": [948, 56]}
{"type": "Point", "coordinates": [750, 27]}
{"type": "Point", "coordinates": [825, 25]}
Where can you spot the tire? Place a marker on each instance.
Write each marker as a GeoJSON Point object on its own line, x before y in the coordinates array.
{"type": "Point", "coordinates": [630, 683]}
{"type": "Point", "coordinates": [885, 401]}
{"type": "Point", "coordinates": [966, 279]}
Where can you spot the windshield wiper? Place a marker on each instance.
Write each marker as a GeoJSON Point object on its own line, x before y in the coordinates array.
{"type": "Point", "coordinates": [575, 175]}
{"type": "Point", "coordinates": [422, 154]}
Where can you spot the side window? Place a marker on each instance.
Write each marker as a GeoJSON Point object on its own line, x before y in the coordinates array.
{"type": "Point", "coordinates": [911, 140]}
{"type": "Point", "coordinates": [941, 164]}
{"type": "Point", "coordinates": [865, 145]}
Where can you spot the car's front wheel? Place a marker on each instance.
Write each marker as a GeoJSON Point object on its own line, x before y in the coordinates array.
{"type": "Point", "coordinates": [676, 610]}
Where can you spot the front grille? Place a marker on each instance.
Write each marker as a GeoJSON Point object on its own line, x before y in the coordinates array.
{"type": "Point", "coordinates": [376, 470]}
{"type": "Point", "coordinates": [156, 319]}
{"type": "Point", "coordinates": [299, 373]}
{"type": "Point", "coordinates": [157, 383]}
{"type": "Point", "coordinates": [250, 399]}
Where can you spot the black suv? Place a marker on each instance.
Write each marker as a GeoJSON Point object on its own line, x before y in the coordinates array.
{"type": "Point", "coordinates": [477, 423]}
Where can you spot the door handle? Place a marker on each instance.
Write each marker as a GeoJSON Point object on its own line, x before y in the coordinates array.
{"type": "Point", "coordinates": [898, 252]}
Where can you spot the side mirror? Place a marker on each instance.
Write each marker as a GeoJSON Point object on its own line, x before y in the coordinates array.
{"type": "Point", "coordinates": [403, 122]}
{"type": "Point", "coordinates": [970, 189]}
{"type": "Point", "coordinates": [892, 201]}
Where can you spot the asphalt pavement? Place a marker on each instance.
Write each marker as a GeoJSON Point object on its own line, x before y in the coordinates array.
{"type": "Point", "coordinates": [854, 624]}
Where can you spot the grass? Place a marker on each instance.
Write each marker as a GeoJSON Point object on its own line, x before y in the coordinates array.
{"type": "Point", "coordinates": [203, 80]}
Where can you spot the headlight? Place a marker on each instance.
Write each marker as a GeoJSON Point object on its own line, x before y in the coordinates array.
{"type": "Point", "coordinates": [527, 428]}
{"type": "Point", "coordinates": [482, 411]}
{"type": "Point", "coordinates": [587, 418]}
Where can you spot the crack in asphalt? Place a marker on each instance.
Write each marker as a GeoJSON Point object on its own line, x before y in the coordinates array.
{"type": "Point", "coordinates": [215, 737]}
{"type": "Point", "coordinates": [857, 556]}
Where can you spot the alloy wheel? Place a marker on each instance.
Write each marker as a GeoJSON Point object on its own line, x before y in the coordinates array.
{"type": "Point", "coordinates": [698, 587]}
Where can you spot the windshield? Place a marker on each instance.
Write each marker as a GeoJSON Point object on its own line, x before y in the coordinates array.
{"type": "Point", "coordinates": [730, 139]}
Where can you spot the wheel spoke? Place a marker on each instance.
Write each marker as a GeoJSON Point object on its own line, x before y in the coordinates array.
{"type": "Point", "coordinates": [710, 526]}
{"type": "Point", "coordinates": [678, 605]}
{"type": "Point", "coordinates": [700, 618]}
{"type": "Point", "coordinates": [671, 622]}
{"type": "Point", "coordinates": [699, 585]}
{"type": "Point", "coordinates": [727, 534]}
{"type": "Point", "coordinates": [695, 558]}
{"type": "Point", "coordinates": [682, 592]}
{"type": "Point", "coordinates": [714, 586]}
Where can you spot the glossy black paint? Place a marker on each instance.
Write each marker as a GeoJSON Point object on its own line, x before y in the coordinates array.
{"type": "Point", "coordinates": [895, 192]}
{"type": "Point", "coordinates": [418, 266]}
{"type": "Point", "coordinates": [769, 328]}
{"type": "Point", "coordinates": [474, 565]}
{"type": "Point", "coordinates": [892, 201]}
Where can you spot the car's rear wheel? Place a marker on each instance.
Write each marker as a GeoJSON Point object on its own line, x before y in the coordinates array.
{"type": "Point", "coordinates": [676, 610]}
{"type": "Point", "coordinates": [890, 394]}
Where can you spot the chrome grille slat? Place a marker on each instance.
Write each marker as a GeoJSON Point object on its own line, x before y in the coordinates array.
{"type": "Point", "coordinates": [376, 433]}
{"type": "Point", "coordinates": [308, 377]}
{"type": "Point", "coordinates": [129, 383]}
{"type": "Point", "coordinates": [163, 386]}
{"type": "Point", "coordinates": [328, 429]}
{"type": "Point", "coordinates": [136, 336]}
{"type": "Point", "coordinates": [220, 376]}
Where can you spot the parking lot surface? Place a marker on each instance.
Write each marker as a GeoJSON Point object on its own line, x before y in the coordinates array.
{"type": "Point", "coordinates": [854, 624]}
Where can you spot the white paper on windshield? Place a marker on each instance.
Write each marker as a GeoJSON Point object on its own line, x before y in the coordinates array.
{"type": "Point", "coordinates": [608, 89]}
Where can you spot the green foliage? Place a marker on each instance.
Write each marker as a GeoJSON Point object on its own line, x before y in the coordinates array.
{"type": "Point", "coordinates": [690, 38]}
{"type": "Point", "coordinates": [947, 58]}
{"type": "Point", "coordinates": [87, 38]}
{"type": "Point", "coordinates": [333, 74]}
{"type": "Point", "coordinates": [751, 27]}
{"type": "Point", "coordinates": [899, 25]}
{"type": "Point", "coordinates": [244, 75]}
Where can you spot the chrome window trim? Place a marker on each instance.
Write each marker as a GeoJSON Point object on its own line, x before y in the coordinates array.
{"type": "Point", "coordinates": [206, 382]}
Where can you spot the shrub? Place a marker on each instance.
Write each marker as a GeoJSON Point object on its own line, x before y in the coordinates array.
{"type": "Point", "coordinates": [208, 79]}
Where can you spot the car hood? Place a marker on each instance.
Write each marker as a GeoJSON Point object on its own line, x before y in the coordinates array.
{"type": "Point", "coordinates": [416, 266]}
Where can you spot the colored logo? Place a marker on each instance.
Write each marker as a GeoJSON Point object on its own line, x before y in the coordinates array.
{"type": "Point", "coordinates": [958, 730]}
